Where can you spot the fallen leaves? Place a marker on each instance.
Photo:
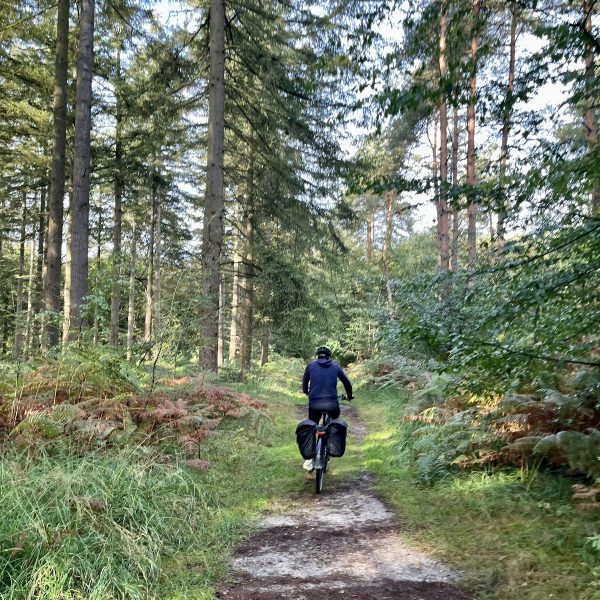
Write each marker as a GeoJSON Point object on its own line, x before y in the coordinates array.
{"type": "Point", "coordinates": [587, 496]}
{"type": "Point", "coordinates": [189, 415]}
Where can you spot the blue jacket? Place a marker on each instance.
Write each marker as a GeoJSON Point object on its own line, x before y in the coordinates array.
{"type": "Point", "coordinates": [320, 383]}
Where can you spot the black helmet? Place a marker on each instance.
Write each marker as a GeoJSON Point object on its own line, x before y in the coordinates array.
{"type": "Point", "coordinates": [323, 352]}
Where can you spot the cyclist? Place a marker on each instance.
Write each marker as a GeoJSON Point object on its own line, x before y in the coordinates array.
{"type": "Point", "coordinates": [320, 384]}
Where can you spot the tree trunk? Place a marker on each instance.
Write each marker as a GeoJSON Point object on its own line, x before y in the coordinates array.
{"type": "Point", "coordinates": [506, 119]}
{"type": "Point", "coordinates": [39, 268]}
{"type": "Point", "coordinates": [150, 280]}
{"type": "Point", "coordinates": [222, 300]}
{"type": "Point", "coordinates": [212, 232]}
{"type": "Point", "coordinates": [443, 193]}
{"type": "Point", "coordinates": [31, 285]}
{"type": "Point", "coordinates": [387, 244]}
{"type": "Point", "coordinates": [81, 172]}
{"type": "Point", "coordinates": [131, 307]}
{"type": "Point", "coordinates": [591, 127]}
{"type": "Point", "coordinates": [115, 296]}
{"type": "Point", "coordinates": [67, 283]}
{"type": "Point", "coordinates": [455, 208]}
{"type": "Point", "coordinates": [247, 281]}
{"type": "Point", "coordinates": [435, 170]}
{"type": "Point", "coordinates": [51, 284]}
{"type": "Point", "coordinates": [234, 339]}
{"type": "Point", "coordinates": [472, 208]}
{"type": "Point", "coordinates": [18, 345]}
{"type": "Point", "coordinates": [97, 278]}
{"type": "Point", "coordinates": [156, 301]}
{"type": "Point", "coordinates": [370, 235]}
{"type": "Point", "coordinates": [4, 291]}
{"type": "Point", "coordinates": [264, 343]}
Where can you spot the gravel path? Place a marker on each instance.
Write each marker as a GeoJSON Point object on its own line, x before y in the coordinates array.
{"type": "Point", "coordinates": [343, 544]}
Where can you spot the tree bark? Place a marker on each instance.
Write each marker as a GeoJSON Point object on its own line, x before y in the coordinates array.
{"type": "Point", "coordinates": [387, 244]}
{"type": "Point", "coordinates": [472, 208]}
{"type": "Point", "coordinates": [370, 235]}
{"type": "Point", "coordinates": [148, 333]}
{"type": "Point", "coordinates": [591, 127]}
{"type": "Point", "coordinates": [81, 172]}
{"type": "Point", "coordinates": [222, 300]}
{"type": "Point", "coordinates": [39, 269]}
{"type": "Point", "coordinates": [247, 281]}
{"type": "Point", "coordinates": [67, 283]}
{"type": "Point", "coordinates": [97, 278]}
{"type": "Point", "coordinates": [31, 292]}
{"type": "Point", "coordinates": [455, 208]}
{"type": "Point", "coordinates": [131, 307]}
{"type": "Point", "coordinates": [435, 170]}
{"type": "Point", "coordinates": [443, 193]}
{"type": "Point", "coordinates": [234, 339]}
{"type": "Point", "coordinates": [18, 344]}
{"type": "Point", "coordinates": [212, 233]}
{"type": "Point", "coordinates": [506, 119]}
{"type": "Point", "coordinates": [118, 181]}
{"type": "Point", "coordinates": [51, 284]}
{"type": "Point", "coordinates": [156, 301]}
{"type": "Point", "coordinates": [264, 343]}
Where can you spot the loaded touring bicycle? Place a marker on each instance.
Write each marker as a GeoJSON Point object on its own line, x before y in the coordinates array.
{"type": "Point", "coordinates": [320, 441]}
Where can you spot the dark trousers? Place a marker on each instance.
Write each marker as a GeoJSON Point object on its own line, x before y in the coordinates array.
{"type": "Point", "coordinates": [316, 414]}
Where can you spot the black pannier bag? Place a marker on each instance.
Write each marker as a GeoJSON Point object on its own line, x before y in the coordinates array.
{"type": "Point", "coordinates": [336, 437]}
{"type": "Point", "coordinates": [305, 436]}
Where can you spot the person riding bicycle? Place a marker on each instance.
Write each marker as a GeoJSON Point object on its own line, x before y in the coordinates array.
{"type": "Point", "coordinates": [320, 384]}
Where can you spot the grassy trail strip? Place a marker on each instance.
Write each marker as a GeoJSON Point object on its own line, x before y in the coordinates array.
{"type": "Point", "coordinates": [133, 521]}
{"type": "Point", "coordinates": [344, 543]}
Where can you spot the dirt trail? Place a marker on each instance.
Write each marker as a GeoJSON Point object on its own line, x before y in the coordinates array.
{"type": "Point", "coordinates": [344, 544]}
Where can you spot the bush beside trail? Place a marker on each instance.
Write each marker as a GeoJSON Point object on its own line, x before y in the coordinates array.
{"type": "Point", "coordinates": [551, 421]}
{"type": "Point", "coordinates": [99, 403]}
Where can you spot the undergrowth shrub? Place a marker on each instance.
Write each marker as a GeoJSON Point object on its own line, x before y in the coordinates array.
{"type": "Point", "coordinates": [90, 371]}
{"type": "Point", "coordinates": [387, 371]}
{"type": "Point", "coordinates": [94, 527]}
{"type": "Point", "coordinates": [551, 420]}
{"type": "Point", "coordinates": [540, 425]}
{"type": "Point", "coordinates": [278, 373]}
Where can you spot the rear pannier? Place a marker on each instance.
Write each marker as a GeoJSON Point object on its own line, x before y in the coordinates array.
{"type": "Point", "coordinates": [336, 435]}
{"type": "Point", "coordinates": [305, 436]}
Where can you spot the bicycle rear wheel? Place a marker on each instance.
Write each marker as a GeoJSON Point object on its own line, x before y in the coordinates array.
{"type": "Point", "coordinates": [319, 473]}
{"type": "Point", "coordinates": [320, 470]}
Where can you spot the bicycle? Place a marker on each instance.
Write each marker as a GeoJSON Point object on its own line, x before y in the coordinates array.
{"type": "Point", "coordinates": [321, 457]}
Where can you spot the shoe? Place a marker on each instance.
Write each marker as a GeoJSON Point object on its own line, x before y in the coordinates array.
{"type": "Point", "coordinates": [308, 465]}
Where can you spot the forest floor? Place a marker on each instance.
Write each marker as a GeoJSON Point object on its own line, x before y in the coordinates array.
{"type": "Point", "coordinates": [345, 543]}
